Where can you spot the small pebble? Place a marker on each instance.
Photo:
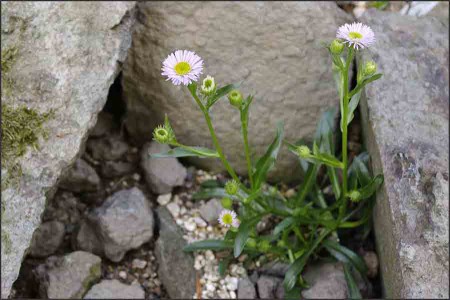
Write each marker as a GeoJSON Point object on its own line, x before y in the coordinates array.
{"type": "Point", "coordinates": [138, 263]}
{"type": "Point", "coordinates": [123, 274]}
{"type": "Point", "coordinates": [174, 209]}
{"type": "Point", "coordinates": [190, 225]}
{"type": "Point", "coordinates": [164, 199]}
{"type": "Point", "coordinates": [136, 177]}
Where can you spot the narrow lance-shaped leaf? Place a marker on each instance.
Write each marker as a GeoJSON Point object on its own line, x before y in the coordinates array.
{"type": "Point", "coordinates": [243, 234]}
{"type": "Point", "coordinates": [187, 151]}
{"type": "Point", "coordinates": [209, 193]}
{"type": "Point", "coordinates": [352, 287]}
{"type": "Point", "coordinates": [353, 104]}
{"type": "Point", "coordinates": [370, 188]}
{"type": "Point", "coordinates": [283, 225]}
{"type": "Point", "coordinates": [266, 162]}
{"type": "Point", "coordinates": [223, 91]}
{"type": "Point", "coordinates": [209, 245]}
{"type": "Point", "coordinates": [353, 258]}
{"type": "Point", "coordinates": [366, 81]}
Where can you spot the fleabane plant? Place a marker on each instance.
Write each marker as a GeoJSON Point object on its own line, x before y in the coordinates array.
{"type": "Point", "coordinates": [309, 223]}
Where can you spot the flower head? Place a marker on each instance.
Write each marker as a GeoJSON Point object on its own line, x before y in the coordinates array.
{"type": "Point", "coordinates": [161, 135]}
{"type": "Point", "coordinates": [228, 218]}
{"type": "Point", "coordinates": [303, 151]}
{"type": "Point", "coordinates": [209, 86]}
{"type": "Point", "coordinates": [354, 196]}
{"type": "Point", "coordinates": [356, 35]}
{"type": "Point", "coordinates": [232, 187]}
{"type": "Point", "coordinates": [182, 67]}
{"type": "Point", "coordinates": [235, 98]}
{"type": "Point", "coordinates": [370, 68]}
{"type": "Point", "coordinates": [336, 47]}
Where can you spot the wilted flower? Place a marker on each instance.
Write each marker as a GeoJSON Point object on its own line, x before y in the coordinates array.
{"type": "Point", "coordinates": [357, 35]}
{"type": "Point", "coordinates": [182, 67]}
{"type": "Point", "coordinates": [209, 86]}
{"type": "Point", "coordinates": [228, 218]}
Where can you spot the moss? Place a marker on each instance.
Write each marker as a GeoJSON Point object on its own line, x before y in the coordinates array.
{"type": "Point", "coordinates": [6, 242]}
{"type": "Point", "coordinates": [21, 128]}
{"type": "Point", "coordinates": [95, 272]}
{"type": "Point", "coordinates": [9, 57]}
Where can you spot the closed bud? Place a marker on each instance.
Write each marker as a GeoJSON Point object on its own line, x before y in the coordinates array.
{"type": "Point", "coordinates": [161, 135]}
{"type": "Point", "coordinates": [209, 86]}
{"type": "Point", "coordinates": [235, 98]}
{"type": "Point", "coordinates": [303, 151]}
{"type": "Point", "coordinates": [281, 243]}
{"type": "Point", "coordinates": [232, 187]}
{"type": "Point", "coordinates": [264, 246]}
{"type": "Point", "coordinates": [251, 243]}
{"type": "Point", "coordinates": [227, 203]}
{"type": "Point", "coordinates": [354, 196]}
{"type": "Point", "coordinates": [336, 47]}
{"type": "Point", "coordinates": [370, 68]}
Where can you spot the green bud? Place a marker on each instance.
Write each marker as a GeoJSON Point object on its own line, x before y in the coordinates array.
{"type": "Point", "coordinates": [161, 135]}
{"type": "Point", "coordinates": [209, 86]}
{"type": "Point", "coordinates": [234, 229]}
{"type": "Point", "coordinates": [354, 196]}
{"type": "Point", "coordinates": [251, 243]}
{"type": "Point", "coordinates": [370, 68]}
{"type": "Point", "coordinates": [336, 47]}
{"type": "Point", "coordinates": [303, 151]}
{"type": "Point", "coordinates": [247, 201]}
{"type": "Point", "coordinates": [235, 98]}
{"type": "Point", "coordinates": [281, 243]}
{"type": "Point", "coordinates": [264, 246]}
{"type": "Point", "coordinates": [232, 187]}
{"type": "Point", "coordinates": [227, 203]}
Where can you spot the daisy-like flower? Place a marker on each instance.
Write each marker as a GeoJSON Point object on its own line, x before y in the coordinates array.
{"type": "Point", "coordinates": [182, 67]}
{"type": "Point", "coordinates": [356, 35]}
{"type": "Point", "coordinates": [228, 218]}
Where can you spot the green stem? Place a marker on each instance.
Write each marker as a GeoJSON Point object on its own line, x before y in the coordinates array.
{"type": "Point", "coordinates": [345, 132]}
{"type": "Point", "coordinates": [244, 123]}
{"type": "Point", "coordinates": [225, 163]}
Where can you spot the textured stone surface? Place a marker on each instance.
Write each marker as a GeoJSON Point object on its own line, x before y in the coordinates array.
{"type": "Point", "coordinates": [47, 238]}
{"type": "Point", "coordinates": [274, 47]}
{"type": "Point", "coordinates": [114, 289]}
{"type": "Point", "coordinates": [68, 277]}
{"type": "Point", "coordinates": [176, 268]}
{"type": "Point", "coordinates": [246, 289]}
{"type": "Point", "coordinates": [210, 211]}
{"type": "Point", "coordinates": [406, 115]}
{"type": "Point", "coordinates": [267, 286]}
{"type": "Point", "coordinates": [326, 281]}
{"type": "Point", "coordinates": [111, 147]}
{"type": "Point", "coordinates": [68, 56]}
{"type": "Point", "coordinates": [80, 178]}
{"type": "Point", "coordinates": [123, 222]}
{"type": "Point", "coordinates": [161, 174]}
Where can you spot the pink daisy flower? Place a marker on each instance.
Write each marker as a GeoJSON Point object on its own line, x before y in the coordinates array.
{"type": "Point", "coordinates": [182, 67]}
{"type": "Point", "coordinates": [357, 35]}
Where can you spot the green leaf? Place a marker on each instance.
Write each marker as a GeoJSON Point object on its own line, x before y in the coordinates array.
{"type": "Point", "coordinates": [209, 193]}
{"type": "Point", "coordinates": [366, 81]}
{"type": "Point", "coordinates": [223, 265]}
{"type": "Point", "coordinates": [381, 5]}
{"type": "Point", "coordinates": [326, 159]}
{"type": "Point", "coordinates": [351, 256]}
{"type": "Point", "coordinates": [211, 183]}
{"type": "Point", "coordinates": [208, 245]}
{"type": "Point", "coordinates": [243, 233]}
{"type": "Point", "coordinates": [193, 89]}
{"type": "Point", "coordinates": [283, 225]}
{"type": "Point", "coordinates": [295, 293]}
{"type": "Point", "coordinates": [297, 266]}
{"type": "Point", "coordinates": [223, 91]}
{"type": "Point", "coordinates": [352, 105]}
{"type": "Point", "coordinates": [307, 184]}
{"type": "Point", "coordinates": [371, 188]}
{"type": "Point", "coordinates": [187, 151]}
{"type": "Point", "coordinates": [353, 289]}
{"type": "Point", "coordinates": [266, 162]}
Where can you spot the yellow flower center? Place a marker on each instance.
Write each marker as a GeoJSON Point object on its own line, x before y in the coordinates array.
{"type": "Point", "coordinates": [355, 35]}
{"type": "Point", "coordinates": [182, 68]}
{"type": "Point", "coordinates": [227, 219]}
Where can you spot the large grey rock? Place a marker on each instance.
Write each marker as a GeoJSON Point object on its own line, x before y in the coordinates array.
{"type": "Point", "coordinates": [69, 54]}
{"type": "Point", "coordinates": [124, 222]}
{"type": "Point", "coordinates": [326, 281]}
{"type": "Point", "coordinates": [276, 268]}
{"type": "Point", "coordinates": [175, 267]}
{"type": "Point", "coordinates": [275, 47]}
{"type": "Point", "coordinates": [161, 174]}
{"type": "Point", "coordinates": [47, 239]}
{"type": "Point", "coordinates": [80, 178]}
{"type": "Point", "coordinates": [68, 277]}
{"type": "Point", "coordinates": [114, 289]}
{"type": "Point", "coordinates": [111, 147]}
{"type": "Point", "coordinates": [268, 286]}
{"type": "Point", "coordinates": [246, 289]}
{"type": "Point", "coordinates": [405, 118]}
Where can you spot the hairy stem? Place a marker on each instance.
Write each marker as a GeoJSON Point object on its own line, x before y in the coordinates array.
{"type": "Point", "coordinates": [244, 123]}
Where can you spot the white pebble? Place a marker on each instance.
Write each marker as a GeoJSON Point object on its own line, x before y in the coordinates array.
{"type": "Point", "coordinates": [138, 263]}
{"type": "Point", "coordinates": [209, 255]}
{"type": "Point", "coordinates": [164, 199]}
{"type": "Point", "coordinates": [200, 222]}
{"type": "Point", "coordinates": [210, 287]}
{"type": "Point", "coordinates": [123, 274]}
{"type": "Point", "coordinates": [231, 283]}
{"type": "Point", "coordinates": [174, 209]}
{"type": "Point", "coordinates": [232, 295]}
{"type": "Point", "coordinates": [190, 225]}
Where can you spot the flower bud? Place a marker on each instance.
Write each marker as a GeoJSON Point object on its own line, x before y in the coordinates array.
{"type": "Point", "coordinates": [232, 187]}
{"type": "Point", "coordinates": [251, 243]}
{"type": "Point", "coordinates": [336, 47]}
{"type": "Point", "coordinates": [354, 196]}
{"type": "Point", "coordinates": [209, 86]}
{"type": "Point", "coordinates": [161, 135]}
{"type": "Point", "coordinates": [281, 243]}
{"type": "Point", "coordinates": [227, 203]}
{"type": "Point", "coordinates": [303, 151]}
{"type": "Point", "coordinates": [235, 98]}
{"type": "Point", "coordinates": [370, 68]}
{"type": "Point", "coordinates": [264, 245]}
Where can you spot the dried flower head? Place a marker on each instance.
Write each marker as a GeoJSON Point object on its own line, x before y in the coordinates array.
{"type": "Point", "coordinates": [182, 67]}
{"type": "Point", "coordinates": [356, 35]}
{"type": "Point", "coordinates": [228, 218]}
